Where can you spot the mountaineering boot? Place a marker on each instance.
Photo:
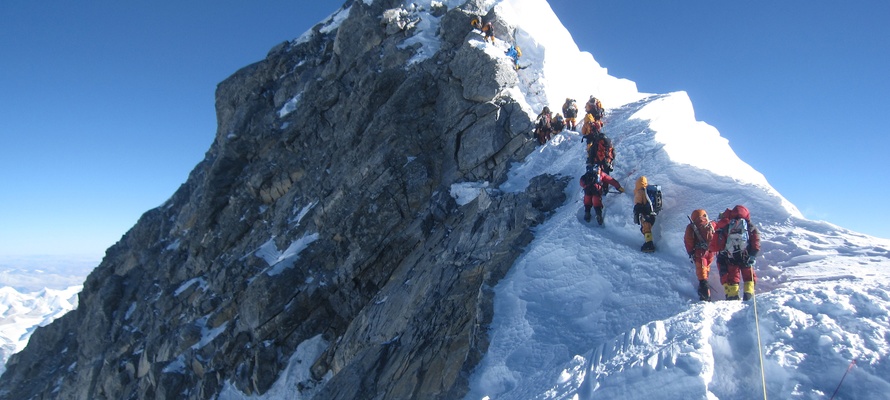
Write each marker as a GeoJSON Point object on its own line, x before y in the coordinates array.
{"type": "Point", "coordinates": [732, 291]}
{"type": "Point", "coordinates": [749, 291]}
{"type": "Point", "coordinates": [704, 294]}
{"type": "Point", "coordinates": [599, 215]}
{"type": "Point", "coordinates": [649, 246]}
{"type": "Point", "coordinates": [586, 215]}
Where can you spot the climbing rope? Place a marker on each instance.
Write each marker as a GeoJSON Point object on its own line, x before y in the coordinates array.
{"type": "Point", "coordinates": [759, 344]}
{"type": "Point", "coordinates": [852, 363]}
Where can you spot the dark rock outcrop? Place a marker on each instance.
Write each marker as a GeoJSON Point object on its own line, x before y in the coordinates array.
{"type": "Point", "coordinates": [321, 208]}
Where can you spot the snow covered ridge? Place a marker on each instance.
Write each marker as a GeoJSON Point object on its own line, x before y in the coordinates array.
{"type": "Point", "coordinates": [583, 314]}
{"type": "Point", "coordinates": [34, 291]}
{"type": "Point", "coordinates": [21, 313]}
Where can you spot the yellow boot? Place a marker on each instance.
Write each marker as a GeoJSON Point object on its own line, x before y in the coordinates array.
{"type": "Point", "coordinates": [732, 291]}
{"type": "Point", "coordinates": [649, 246]}
{"type": "Point", "coordinates": [749, 291]}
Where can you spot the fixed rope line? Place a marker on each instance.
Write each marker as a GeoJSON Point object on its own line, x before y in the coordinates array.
{"type": "Point", "coordinates": [852, 363]}
{"type": "Point", "coordinates": [759, 344]}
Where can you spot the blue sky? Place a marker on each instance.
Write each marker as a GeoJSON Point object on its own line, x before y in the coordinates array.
{"type": "Point", "coordinates": [107, 106]}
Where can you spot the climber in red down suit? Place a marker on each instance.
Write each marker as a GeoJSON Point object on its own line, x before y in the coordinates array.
{"type": "Point", "coordinates": [594, 182]}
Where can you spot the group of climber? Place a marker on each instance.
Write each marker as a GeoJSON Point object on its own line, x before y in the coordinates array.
{"type": "Point", "coordinates": [600, 154]}
{"type": "Point", "coordinates": [647, 200]}
{"type": "Point", "coordinates": [487, 31]}
{"type": "Point", "coordinates": [486, 28]}
{"type": "Point", "coordinates": [595, 181]}
{"type": "Point", "coordinates": [598, 145]}
{"type": "Point", "coordinates": [733, 241]}
{"type": "Point", "coordinates": [546, 125]}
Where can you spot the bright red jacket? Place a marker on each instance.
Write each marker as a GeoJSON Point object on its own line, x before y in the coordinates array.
{"type": "Point", "coordinates": [592, 188]}
{"type": "Point", "coordinates": [718, 242]}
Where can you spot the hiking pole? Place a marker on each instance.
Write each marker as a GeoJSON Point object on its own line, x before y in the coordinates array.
{"type": "Point", "coordinates": [852, 363]}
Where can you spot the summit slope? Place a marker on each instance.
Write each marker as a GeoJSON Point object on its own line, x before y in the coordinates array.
{"type": "Point", "coordinates": [584, 314]}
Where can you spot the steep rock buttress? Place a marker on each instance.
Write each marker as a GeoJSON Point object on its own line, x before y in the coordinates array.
{"type": "Point", "coordinates": [322, 209]}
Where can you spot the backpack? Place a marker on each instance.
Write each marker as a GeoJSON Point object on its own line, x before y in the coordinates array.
{"type": "Point", "coordinates": [737, 239]}
{"type": "Point", "coordinates": [704, 230]}
{"type": "Point", "coordinates": [570, 109]}
{"type": "Point", "coordinates": [595, 107]}
{"type": "Point", "coordinates": [558, 123]}
{"type": "Point", "coordinates": [544, 122]}
{"type": "Point", "coordinates": [605, 151]}
{"type": "Point", "coordinates": [600, 151]}
{"type": "Point", "coordinates": [592, 150]}
{"type": "Point", "coordinates": [653, 192]}
{"type": "Point", "coordinates": [592, 184]}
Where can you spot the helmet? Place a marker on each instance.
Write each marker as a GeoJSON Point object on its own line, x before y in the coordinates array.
{"type": "Point", "coordinates": [546, 110]}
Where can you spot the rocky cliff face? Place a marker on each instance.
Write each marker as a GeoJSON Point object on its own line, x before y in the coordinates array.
{"type": "Point", "coordinates": [321, 210]}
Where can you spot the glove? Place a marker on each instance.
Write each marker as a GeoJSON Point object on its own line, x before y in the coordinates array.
{"type": "Point", "coordinates": [750, 262]}
{"type": "Point", "coordinates": [620, 190]}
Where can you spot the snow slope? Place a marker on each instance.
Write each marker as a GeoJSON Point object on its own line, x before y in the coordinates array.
{"type": "Point", "coordinates": [584, 314]}
{"type": "Point", "coordinates": [34, 291]}
{"type": "Point", "coordinates": [21, 313]}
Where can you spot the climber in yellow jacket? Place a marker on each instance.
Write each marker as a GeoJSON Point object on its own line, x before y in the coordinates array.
{"type": "Point", "coordinates": [644, 213]}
